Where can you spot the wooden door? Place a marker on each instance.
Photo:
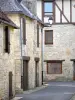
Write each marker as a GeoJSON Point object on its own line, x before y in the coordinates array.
{"type": "Point", "coordinates": [36, 74]}
{"type": "Point", "coordinates": [10, 85]}
{"type": "Point", "coordinates": [73, 70]}
{"type": "Point", "coordinates": [25, 75]}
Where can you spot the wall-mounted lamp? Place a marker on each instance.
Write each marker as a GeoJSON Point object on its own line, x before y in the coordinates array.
{"type": "Point", "coordinates": [50, 20]}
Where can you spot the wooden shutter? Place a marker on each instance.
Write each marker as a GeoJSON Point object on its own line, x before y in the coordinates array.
{"type": "Point", "coordinates": [25, 75]}
{"type": "Point", "coordinates": [24, 30]}
{"type": "Point", "coordinates": [48, 36]}
{"type": "Point", "coordinates": [10, 85]}
{"type": "Point", "coordinates": [37, 35]}
{"type": "Point", "coordinates": [7, 40]}
{"type": "Point", "coordinates": [54, 68]}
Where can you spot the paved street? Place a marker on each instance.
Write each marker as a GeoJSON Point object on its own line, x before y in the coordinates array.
{"type": "Point", "coordinates": [55, 91]}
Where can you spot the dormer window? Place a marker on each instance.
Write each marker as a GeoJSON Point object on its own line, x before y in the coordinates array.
{"type": "Point", "coordinates": [48, 10]}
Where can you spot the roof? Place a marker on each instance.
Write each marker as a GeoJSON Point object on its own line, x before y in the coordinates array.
{"type": "Point", "coordinates": [9, 5]}
{"type": "Point", "coordinates": [6, 20]}
{"type": "Point", "coordinates": [13, 6]}
{"type": "Point", "coordinates": [40, 21]}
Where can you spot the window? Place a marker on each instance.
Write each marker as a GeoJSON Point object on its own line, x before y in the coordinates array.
{"type": "Point", "coordinates": [7, 39]}
{"type": "Point", "coordinates": [37, 35]}
{"type": "Point", "coordinates": [54, 68]}
{"type": "Point", "coordinates": [48, 36]}
{"type": "Point", "coordinates": [24, 30]}
{"type": "Point", "coordinates": [48, 10]}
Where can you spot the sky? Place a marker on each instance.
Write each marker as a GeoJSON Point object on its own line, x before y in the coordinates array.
{"type": "Point", "coordinates": [48, 7]}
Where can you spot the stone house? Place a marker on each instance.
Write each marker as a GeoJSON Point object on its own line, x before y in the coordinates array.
{"type": "Point", "coordinates": [7, 63]}
{"type": "Point", "coordinates": [27, 44]}
{"type": "Point", "coordinates": [59, 41]}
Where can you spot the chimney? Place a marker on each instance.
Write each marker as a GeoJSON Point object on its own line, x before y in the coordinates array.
{"type": "Point", "coordinates": [31, 5]}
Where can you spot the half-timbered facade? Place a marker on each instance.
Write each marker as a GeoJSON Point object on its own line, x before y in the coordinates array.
{"type": "Point", "coordinates": [62, 11]}
{"type": "Point", "coordinates": [59, 41]}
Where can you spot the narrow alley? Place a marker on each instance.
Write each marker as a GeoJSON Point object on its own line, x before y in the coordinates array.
{"type": "Point", "coordinates": [54, 91]}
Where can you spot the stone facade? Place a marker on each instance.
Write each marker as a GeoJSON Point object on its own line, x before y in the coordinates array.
{"type": "Point", "coordinates": [7, 64]}
{"type": "Point", "coordinates": [17, 50]}
{"type": "Point", "coordinates": [13, 62]}
{"type": "Point", "coordinates": [63, 48]}
{"type": "Point", "coordinates": [29, 50]}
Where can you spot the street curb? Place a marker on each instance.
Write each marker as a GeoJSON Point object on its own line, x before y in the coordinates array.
{"type": "Point", "coordinates": [63, 85]}
{"type": "Point", "coordinates": [36, 89]}
{"type": "Point", "coordinates": [72, 98]}
{"type": "Point", "coordinates": [31, 91]}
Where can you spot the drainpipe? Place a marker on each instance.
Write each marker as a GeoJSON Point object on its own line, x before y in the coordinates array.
{"type": "Point", "coordinates": [21, 50]}
{"type": "Point", "coordinates": [42, 51]}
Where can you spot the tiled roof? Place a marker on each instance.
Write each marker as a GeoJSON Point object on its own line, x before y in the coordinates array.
{"type": "Point", "coordinates": [25, 10]}
{"type": "Point", "coordinates": [14, 6]}
{"type": "Point", "coordinates": [17, 7]}
{"type": "Point", "coordinates": [6, 20]}
{"type": "Point", "coordinates": [8, 5]}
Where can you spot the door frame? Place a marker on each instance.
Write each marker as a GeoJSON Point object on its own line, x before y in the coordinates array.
{"type": "Point", "coordinates": [36, 69]}
{"type": "Point", "coordinates": [10, 85]}
{"type": "Point", "coordinates": [73, 67]}
{"type": "Point", "coordinates": [27, 59]}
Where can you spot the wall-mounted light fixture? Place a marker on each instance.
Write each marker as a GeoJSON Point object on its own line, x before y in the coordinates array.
{"type": "Point", "coordinates": [74, 5]}
{"type": "Point", "coordinates": [50, 20]}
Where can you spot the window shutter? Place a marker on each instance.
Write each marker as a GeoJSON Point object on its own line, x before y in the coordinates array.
{"type": "Point", "coordinates": [7, 40]}
{"type": "Point", "coordinates": [37, 35]}
{"type": "Point", "coordinates": [54, 68]}
{"type": "Point", "coordinates": [49, 37]}
{"type": "Point", "coordinates": [24, 30]}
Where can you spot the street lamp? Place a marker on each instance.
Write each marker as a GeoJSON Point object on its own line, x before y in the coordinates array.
{"type": "Point", "coordinates": [50, 20]}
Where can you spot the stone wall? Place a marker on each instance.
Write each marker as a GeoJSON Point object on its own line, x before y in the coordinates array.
{"type": "Point", "coordinates": [6, 65]}
{"type": "Point", "coordinates": [17, 50]}
{"type": "Point", "coordinates": [63, 48]}
{"type": "Point", "coordinates": [31, 50]}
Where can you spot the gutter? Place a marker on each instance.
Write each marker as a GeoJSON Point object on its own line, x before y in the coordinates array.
{"type": "Point", "coordinates": [42, 51]}
{"type": "Point", "coordinates": [21, 51]}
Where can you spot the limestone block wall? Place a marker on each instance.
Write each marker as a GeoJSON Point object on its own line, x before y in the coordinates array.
{"type": "Point", "coordinates": [6, 65]}
{"type": "Point", "coordinates": [38, 51]}
{"type": "Point", "coordinates": [63, 48]}
{"type": "Point", "coordinates": [27, 50]}
{"type": "Point", "coordinates": [31, 50]}
{"type": "Point", "coordinates": [17, 49]}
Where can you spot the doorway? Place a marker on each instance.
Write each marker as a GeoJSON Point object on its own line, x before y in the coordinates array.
{"type": "Point", "coordinates": [25, 75]}
{"type": "Point", "coordinates": [74, 70]}
{"type": "Point", "coordinates": [10, 86]}
{"type": "Point", "coordinates": [36, 72]}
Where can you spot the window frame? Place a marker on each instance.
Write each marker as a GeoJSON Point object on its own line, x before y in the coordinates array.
{"type": "Point", "coordinates": [54, 62]}
{"type": "Point", "coordinates": [46, 43]}
{"type": "Point", "coordinates": [44, 7]}
{"type": "Point", "coordinates": [53, 10]}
